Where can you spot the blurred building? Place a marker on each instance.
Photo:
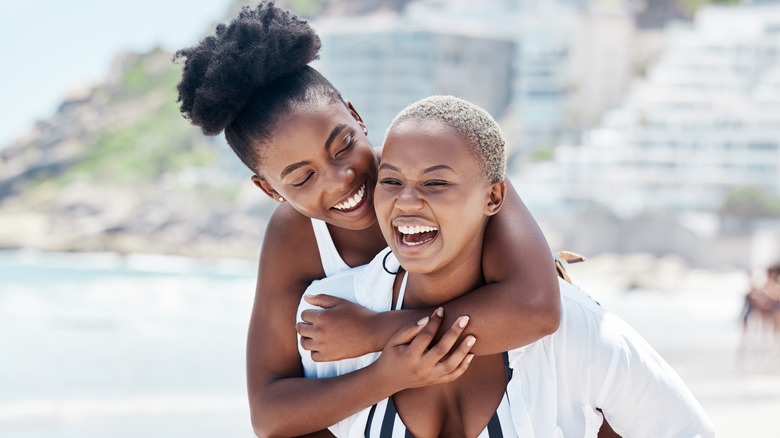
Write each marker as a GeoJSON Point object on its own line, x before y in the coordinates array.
{"type": "Point", "coordinates": [704, 120]}
{"type": "Point", "coordinates": [384, 63]}
{"type": "Point", "coordinates": [546, 68]}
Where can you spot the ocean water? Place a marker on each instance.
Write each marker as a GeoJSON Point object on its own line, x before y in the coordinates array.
{"type": "Point", "coordinates": [101, 345]}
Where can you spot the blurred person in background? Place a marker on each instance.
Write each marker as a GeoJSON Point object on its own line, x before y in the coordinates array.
{"type": "Point", "coordinates": [762, 308]}
{"type": "Point", "coordinates": [308, 150]}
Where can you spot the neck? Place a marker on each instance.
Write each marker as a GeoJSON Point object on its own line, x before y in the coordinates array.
{"type": "Point", "coordinates": [357, 247]}
{"type": "Point", "coordinates": [454, 280]}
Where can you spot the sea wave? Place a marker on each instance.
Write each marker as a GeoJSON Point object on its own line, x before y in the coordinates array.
{"type": "Point", "coordinates": [128, 263]}
{"type": "Point", "coordinates": [74, 410]}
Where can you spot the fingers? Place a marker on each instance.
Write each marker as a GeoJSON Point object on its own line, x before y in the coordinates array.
{"type": "Point", "coordinates": [459, 369]}
{"type": "Point", "coordinates": [448, 340]}
{"type": "Point", "coordinates": [408, 333]}
{"type": "Point", "coordinates": [423, 340]}
{"type": "Point", "coordinates": [306, 343]}
{"type": "Point", "coordinates": [305, 329]}
{"type": "Point", "coordinates": [456, 363]}
{"type": "Point", "coordinates": [310, 315]}
{"type": "Point", "coordinates": [322, 300]}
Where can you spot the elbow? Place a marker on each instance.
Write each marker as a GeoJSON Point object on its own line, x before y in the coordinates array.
{"type": "Point", "coordinates": [549, 320]}
{"type": "Point", "coordinates": [264, 432]}
{"type": "Point", "coordinates": [263, 426]}
{"type": "Point", "coordinates": [548, 312]}
{"type": "Point", "coordinates": [267, 425]}
{"type": "Point", "coordinates": [258, 426]}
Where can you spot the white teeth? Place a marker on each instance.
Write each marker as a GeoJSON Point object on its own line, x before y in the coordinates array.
{"type": "Point", "coordinates": [352, 201]}
{"type": "Point", "coordinates": [415, 229]}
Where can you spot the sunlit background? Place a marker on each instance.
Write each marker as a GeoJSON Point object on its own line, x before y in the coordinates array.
{"type": "Point", "coordinates": [644, 134]}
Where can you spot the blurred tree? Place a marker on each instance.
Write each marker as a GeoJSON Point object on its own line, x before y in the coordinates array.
{"type": "Point", "coordinates": [691, 6]}
{"type": "Point", "coordinates": [747, 204]}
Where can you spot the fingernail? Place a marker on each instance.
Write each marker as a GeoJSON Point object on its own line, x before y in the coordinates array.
{"type": "Point", "coordinates": [423, 321]}
{"type": "Point", "coordinates": [463, 321]}
{"type": "Point", "coordinates": [440, 311]}
{"type": "Point", "coordinates": [470, 342]}
{"type": "Point", "coordinates": [469, 358]}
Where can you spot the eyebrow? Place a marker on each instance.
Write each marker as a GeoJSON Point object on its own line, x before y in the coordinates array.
{"type": "Point", "coordinates": [340, 127]}
{"type": "Point", "coordinates": [292, 167]}
{"type": "Point", "coordinates": [427, 170]}
{"type": "Point", "coordinates": [289, 169]}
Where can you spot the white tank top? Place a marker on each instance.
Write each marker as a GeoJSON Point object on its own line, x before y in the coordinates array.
{"type": "Point", "coordinates": [332, 262]}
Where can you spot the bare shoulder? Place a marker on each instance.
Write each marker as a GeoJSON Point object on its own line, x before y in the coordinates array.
{"type": "Point", "coordinates": [289, 245]}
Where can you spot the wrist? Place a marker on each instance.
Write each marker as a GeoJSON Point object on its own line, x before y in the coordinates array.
{"type": "Point", "coordinates": [387, 324]}
{"type": "Point", "coordinates": [377, 331]}
{"type": "Point", "coordinates": [384, 382]}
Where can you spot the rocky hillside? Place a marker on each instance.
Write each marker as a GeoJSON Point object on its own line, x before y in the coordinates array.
{"type": "Point", "coordinates": [118, 169]}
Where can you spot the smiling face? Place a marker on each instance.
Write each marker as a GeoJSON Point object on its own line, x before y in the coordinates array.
{"type": "Point", "coordinates": [320, 161]}
{"type": "Point", "coordinates": [432, 198]}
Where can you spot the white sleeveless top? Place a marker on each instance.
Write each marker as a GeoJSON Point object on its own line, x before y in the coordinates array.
{"type": "Point", "coordinates": [332, 263]}
{"type": "Point", "coordinates": [551, 393]}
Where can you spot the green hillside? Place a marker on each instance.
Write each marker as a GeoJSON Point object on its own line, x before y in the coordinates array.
{"type": "Point", "coordinates": [117, 168]}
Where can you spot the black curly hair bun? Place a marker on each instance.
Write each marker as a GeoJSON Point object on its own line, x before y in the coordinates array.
{"type": "Point", "coordinates": [226, 69]}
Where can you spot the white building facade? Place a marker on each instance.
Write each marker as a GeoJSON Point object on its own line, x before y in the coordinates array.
{"type": "Point", "coordinates": [705, 120]}
{"type": "Point", "coordinates": [545, 68]}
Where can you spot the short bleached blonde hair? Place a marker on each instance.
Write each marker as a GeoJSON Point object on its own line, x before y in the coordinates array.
{"type": "Point", "coordinates": [473, 123]}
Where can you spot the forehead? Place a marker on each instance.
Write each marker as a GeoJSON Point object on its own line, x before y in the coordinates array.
{"type": "Point", "coordinates": [301, 133]}
{"type": "Point", "coordinates": [422, 143]}
{"type": "Point", "coordinates": [311, 120]}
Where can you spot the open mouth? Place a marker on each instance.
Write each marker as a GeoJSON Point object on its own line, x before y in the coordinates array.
{"type": "Point", "coordinates": [353, 202]}
{"type": "Point", "coordinates": [415, 235]}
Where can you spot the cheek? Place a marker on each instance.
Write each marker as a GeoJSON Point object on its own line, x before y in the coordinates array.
{"type": "Point", "coordinates": [383, 207]}
{"type": "Point", "coordinates": [367, 159]}
{"type": "Point", "coordinates": [382, 203]}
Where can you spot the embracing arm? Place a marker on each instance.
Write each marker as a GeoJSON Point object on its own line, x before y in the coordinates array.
{"type": "Point", "coordinates": [280, 399]}
{"type": "Point", "coordinates": [282, 402]}
{"type": "Point", "coordinates": [521, 301]}
{"type": "Point", "coordinates": [519, 304]}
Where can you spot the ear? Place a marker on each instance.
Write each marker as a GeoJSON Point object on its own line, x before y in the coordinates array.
{"type": "Point", "coordinates": [495, 198]}
{"type": "Point", "coordinates": [356, 115]}
{"type": "Point", "coordinates": [266, 188]}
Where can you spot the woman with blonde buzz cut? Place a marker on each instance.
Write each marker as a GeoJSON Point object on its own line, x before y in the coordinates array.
{"type": "Point", "coordinates": [440, 179]}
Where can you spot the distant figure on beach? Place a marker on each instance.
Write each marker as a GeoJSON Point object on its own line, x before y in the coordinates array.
{"type": "Point", "coordinates": [761, 312]}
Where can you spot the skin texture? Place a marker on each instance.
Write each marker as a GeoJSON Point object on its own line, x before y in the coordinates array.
{"type": "Point", "coordinates": [518, 304]}
{"type": "Point", "coordinates": [427, 178]}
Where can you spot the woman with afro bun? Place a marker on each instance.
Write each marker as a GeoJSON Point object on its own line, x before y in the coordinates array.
{"type": "Point", "coordinates": [308, 150]}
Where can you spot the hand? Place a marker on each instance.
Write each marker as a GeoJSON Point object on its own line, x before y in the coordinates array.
{"type": "Point", "coordinates": [410, 361]}
{"type": "Point", "coordinates": [338, 331]}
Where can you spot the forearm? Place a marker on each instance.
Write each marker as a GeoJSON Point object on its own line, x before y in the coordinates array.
{"type": "Point", "coordinates": [386, 324]}
{"type": "Point", "coordinates": [297, 406]}
{"type": "Point", "coordinates": [498, 320]}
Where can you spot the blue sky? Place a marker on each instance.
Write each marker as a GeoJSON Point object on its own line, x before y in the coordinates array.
{"type": "Point", "coordinates": [48, 47]}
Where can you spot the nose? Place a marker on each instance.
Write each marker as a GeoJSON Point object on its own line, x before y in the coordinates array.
{"type": "Point", "coordinates": [341, 179]}
{"type": "Point", "coordinates": [408, 199]}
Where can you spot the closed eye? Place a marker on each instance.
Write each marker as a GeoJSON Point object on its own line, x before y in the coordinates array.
{"type": "Point", "coordinates": [389, 182]}
{"type": "Point", "coordinates": [303, 181]}
{"type": "Point", "coordinates": [350, 141]}
{"type": "Point", "coordinates": [436, 183]}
